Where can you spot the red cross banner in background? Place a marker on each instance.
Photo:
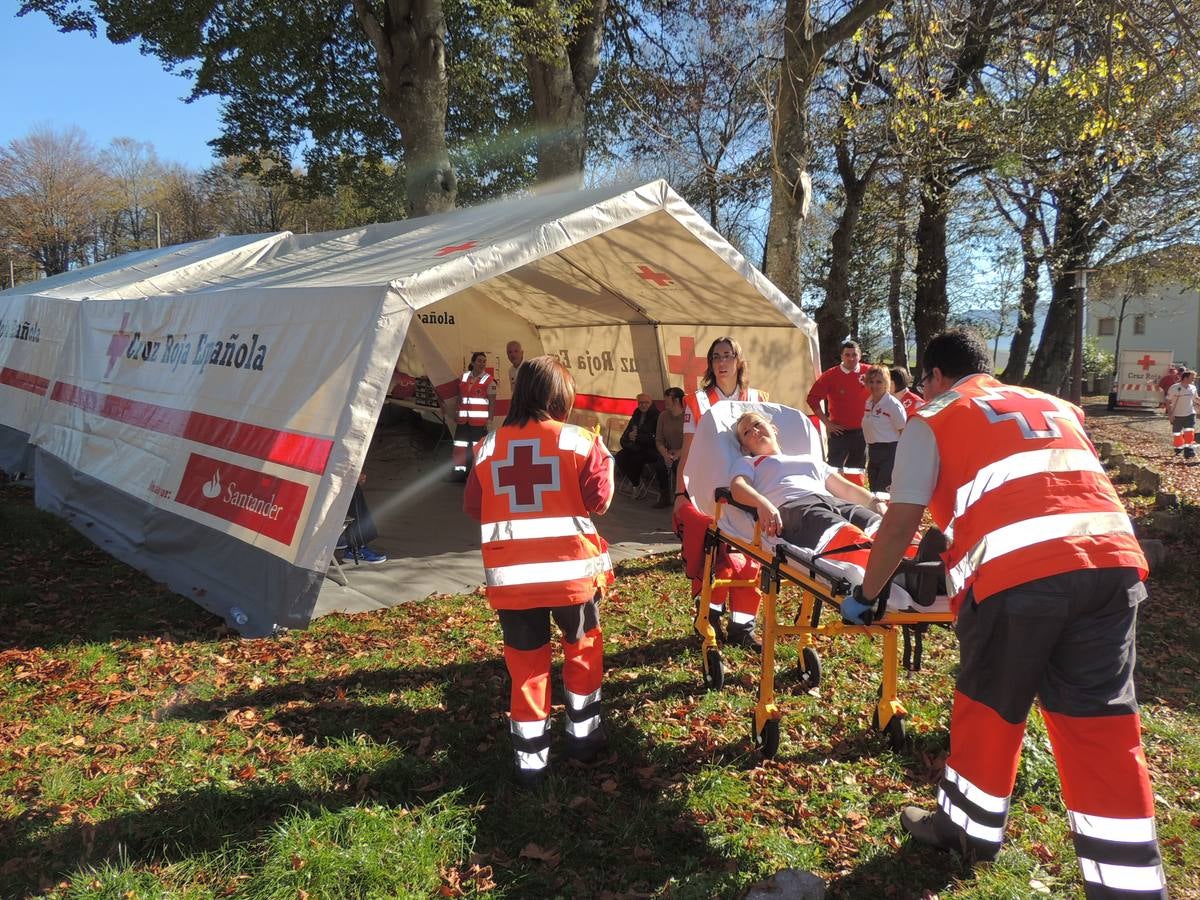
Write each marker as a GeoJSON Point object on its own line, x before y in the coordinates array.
{"type": "Point", "coordinates": [662, 279]}
{"type": "Point", "coordinates": [524, 475]}
{"type": "Point", "coordinates": [1146, 362]}
{"type": "Point", "coordinates": [688, 364]}
{"type": "Point", "coordinates": [455, 248]}
{"type": "Point", "coordinates": [1032, 412]}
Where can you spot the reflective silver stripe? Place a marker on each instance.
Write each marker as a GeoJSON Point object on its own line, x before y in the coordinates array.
{"type": "Point", "coordinates": [978, 796]}
{"type": "Point", "coordinates": [1123, 831]}
{"type": "Point", "coordinates": [846, 470]}
{"type": "Point", "coordinates": [827, 536]}
{"type": "Point", "coordinates": [1123, 878]}
{"type": "Point", "coordinates": [485, 447]}
{"type": "Point", "coordinates": [580, 701]}
{"type": "Point", "coordinates": [740, 618]}
{"type": "Point", "coordinates": [462, 443]}
{"type": "Point", "coordinates": [1022, 465]}
{"type": "Point", "coordinates": [717, 607]}
{"type": "Point", "coordinates": [534, 529]}
{"type": "Point", "coordinates": [703, 403]}
{"type": "Point", "coordinates": [547, 572]}
{"type": "Point", "coordinates": [533, 729]}
{"type": "Point", "coordinates": [575, 439]}
{"type": "Point", "coordinates": [584, 728]}
{"type": "Point", "coordinates": [535, 761]}
{"type": "Point", "coordinates": [967, 824]}
{"type": "Point", "coordinates": [1020, 535]}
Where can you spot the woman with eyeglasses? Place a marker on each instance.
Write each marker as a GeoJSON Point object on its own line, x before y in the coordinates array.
{"type": "Point", "coordinates": [724, 379]}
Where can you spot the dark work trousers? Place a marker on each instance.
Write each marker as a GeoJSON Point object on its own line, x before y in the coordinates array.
{"type": "Point", "coordinates": [362, 530]}
{"type": "Point", "coordinates": [631, 460]}
{"type": "Point", "coordinates": [527, 654]}
{"type": "Point", "coordinates": [880, 459]}
{"type": "Point", "coordinates": [806, 521]}
{"type": "Point", "coordinates": [1067, 641]}
{"type": "Point", "coordinates": [665, 474]}
{"type": "Point", "coordinates": [848, 450]}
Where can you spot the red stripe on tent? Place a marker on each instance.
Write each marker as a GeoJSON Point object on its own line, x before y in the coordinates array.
{"type": "Point", "coordinates": [25, 381]}
{"type": "Point", "coordinates": [297, 451]}
{"type": "Point", "coordinates": [617, 406]}
{"type": "Point", "coordinates": [263, 503]}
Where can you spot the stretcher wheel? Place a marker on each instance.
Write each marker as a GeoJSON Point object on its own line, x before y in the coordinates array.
{"type": "Point", "coordinates": [714, 671]}
{"type": "Point", "coordinates": [809, 668]}
{"type": "Point", "coordinates": [767, 740]}
{"type": "Point", "coordinates": [896, 731]}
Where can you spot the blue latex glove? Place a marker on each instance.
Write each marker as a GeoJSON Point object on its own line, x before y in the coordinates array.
{"type": "Point", "coordinates": [856, 609]}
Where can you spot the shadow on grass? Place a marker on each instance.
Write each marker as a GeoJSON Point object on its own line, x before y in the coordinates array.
{"type": "Point", "coordinates": [620, 824]}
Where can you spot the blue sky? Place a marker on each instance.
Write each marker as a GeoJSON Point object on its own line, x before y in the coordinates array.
{"type": "Point", "coordinates": [107, 90]}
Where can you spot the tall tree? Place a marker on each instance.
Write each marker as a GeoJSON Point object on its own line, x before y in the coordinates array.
{"type": "Point", "coordinates": [51, 186]}
{"type": "Point", "coordinates": [805, 47]}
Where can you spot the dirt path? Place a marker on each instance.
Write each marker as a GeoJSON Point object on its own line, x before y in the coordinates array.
{"type": "Point", "coordinates": [1145, 436]}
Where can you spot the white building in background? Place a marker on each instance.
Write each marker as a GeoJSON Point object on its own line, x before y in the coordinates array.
{"type": "Point", "coordinates": [1161, 303]}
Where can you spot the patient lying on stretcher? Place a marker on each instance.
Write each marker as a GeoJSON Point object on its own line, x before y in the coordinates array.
{"type": "Point", "coordinates": [802, 501]}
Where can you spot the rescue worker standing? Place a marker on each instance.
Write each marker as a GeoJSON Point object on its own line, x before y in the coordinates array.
{"type": "Point", "coordinates": [843, 389]}
{"type": "Point", "coordinates": [1045, 576]}
{"type": "Point", "coordinates": [535, 481]}
{"type": "Point", "coordinates": [726, 378]}
{"type": "Point", "coordinates": [476, 391]}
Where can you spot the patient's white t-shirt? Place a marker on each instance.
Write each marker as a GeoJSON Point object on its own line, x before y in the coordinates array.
{"type": "Point", "coordinates": [781, 477]}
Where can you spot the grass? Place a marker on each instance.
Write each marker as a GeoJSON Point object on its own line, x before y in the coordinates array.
{"type": "Point", "coordinates": [147, 752]}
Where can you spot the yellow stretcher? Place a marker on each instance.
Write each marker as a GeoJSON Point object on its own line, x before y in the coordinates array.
{"type": "Point", "coordinates": [821, 587]}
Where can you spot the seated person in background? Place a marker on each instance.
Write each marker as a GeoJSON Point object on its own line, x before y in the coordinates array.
{"type": "Point", "coordinates": [668, 441]}
{"type": "Point", "coordinates": [637, 441]}
{"type": "Point", "coordinates": [800, 498]}
{"type": "Point", "coordinates": [360, 532]}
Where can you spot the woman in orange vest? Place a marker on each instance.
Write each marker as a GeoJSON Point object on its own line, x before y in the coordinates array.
{"type": "Point", "coordinates": [726, 378]}
{"type": "Point", "coordinates": [536, 480]}
{"type": "Point", "coordinates": [1045, 577]}
{"type": "Point", "coordinates": [476, 391]}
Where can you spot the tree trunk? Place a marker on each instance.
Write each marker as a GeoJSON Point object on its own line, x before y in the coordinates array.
{"type": "Point", "coordinates": [560, 83]}
{"type": "Point", "coordinates": [831, 316]}
{"type": "Point", "coordinates": [803, 50]}
{"type": "Point", "coordinates": [931, 305]}
{"type": "Point", "coordinates": [410, 53]}
{"type": "Point", "coordinates": [1057, 345]}
{"type": "Point", "coordinates": [1022, 339]}
{"type": "Point", "coordinates": [896, 278]}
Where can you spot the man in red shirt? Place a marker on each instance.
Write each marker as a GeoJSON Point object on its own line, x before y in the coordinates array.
{"type": "Point", "coordinates": [845, 393]}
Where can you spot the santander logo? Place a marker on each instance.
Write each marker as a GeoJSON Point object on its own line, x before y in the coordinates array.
{"type": "Point", "coordinates": [212, 487]}
{"type": "Point", "coordinates": [262, 503]}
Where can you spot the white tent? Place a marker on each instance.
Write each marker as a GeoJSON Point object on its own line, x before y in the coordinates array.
{"type": "Point", "coordinates": [34, 319]}
{"type": "Point", "coordinates": [212, 437]}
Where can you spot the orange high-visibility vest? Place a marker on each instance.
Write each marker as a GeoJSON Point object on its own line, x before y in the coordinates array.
{"type": "Point", "coordinates": [473, 400]}
{"type": "Point", "coordinates": [697, 403]}
{"type": "Point", "coordinates": [540, 547]}
{"type": "Point", "coordinates": [1020, 492]}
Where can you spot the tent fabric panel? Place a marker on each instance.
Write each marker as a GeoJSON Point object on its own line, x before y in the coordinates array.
{"type": "Point", "coordinates": [214, 570]}
{"type": "Point", "coordinates": [32, 332]}
{"type": "Point", "coordinates": [249, 413]}
{"type": "Point", "coordinates": [16, 453]}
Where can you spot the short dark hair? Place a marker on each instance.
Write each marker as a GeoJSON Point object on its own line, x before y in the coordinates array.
{"type": "Point", "coordinates": [900, 377]}
{"type": "Point", "coordinates": [851, 345]}
{"type": "Point", "coordinates": [674, 393]}
{"type": "Point", "coordinates": [958, 353]}
{"type": "Point", "coordinates": [477, 354]}
{"type": "Point", "coordinates": [544, 389]}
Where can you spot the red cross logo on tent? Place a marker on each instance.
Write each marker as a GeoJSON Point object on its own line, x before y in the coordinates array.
{"type": "Point", "coordinates": [1146, 362]}
{"type": "Point", "coordinates": [662, 279]}
{"type": "Point", "coordinates": [525, 475]}
{"type": "Point", "coordinates": [1032, 412]}
{"type": "Point", "coordinates": [455, 248]}
{"type": "Point", "coordinates": [687, 364]}
{"type": "Point", "coordinates": [118, 345]}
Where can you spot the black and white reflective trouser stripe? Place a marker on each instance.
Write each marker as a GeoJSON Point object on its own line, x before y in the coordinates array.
{"type": "Point", "coordinates": [1117, 855]}
{"type": "Point", "coordinates": [980, 814]}
{"type": "Point", "coordinates": [531, 742]}
{"type": "Point", "coordinates": [583, 714]}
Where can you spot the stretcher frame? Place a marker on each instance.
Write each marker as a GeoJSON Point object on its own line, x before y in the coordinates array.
{"type": "Point", "coordinates": [781, 565]}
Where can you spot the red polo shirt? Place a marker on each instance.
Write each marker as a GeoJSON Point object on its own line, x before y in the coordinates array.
{"type": "Point", "coordinates": [845, 392]}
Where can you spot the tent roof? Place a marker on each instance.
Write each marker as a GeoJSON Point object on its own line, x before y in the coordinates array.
{"type": "Point", "coordinates": [615, 254]}
{"type": "Point", "coordinates": [154, 272]}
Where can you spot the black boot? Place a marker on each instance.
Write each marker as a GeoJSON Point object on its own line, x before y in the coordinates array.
{"type": "Point", "coordinates": [741, 634]}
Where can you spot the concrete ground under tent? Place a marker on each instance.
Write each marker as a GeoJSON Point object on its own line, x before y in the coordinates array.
{"type": "Point", "coordinates": [432, 546]}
